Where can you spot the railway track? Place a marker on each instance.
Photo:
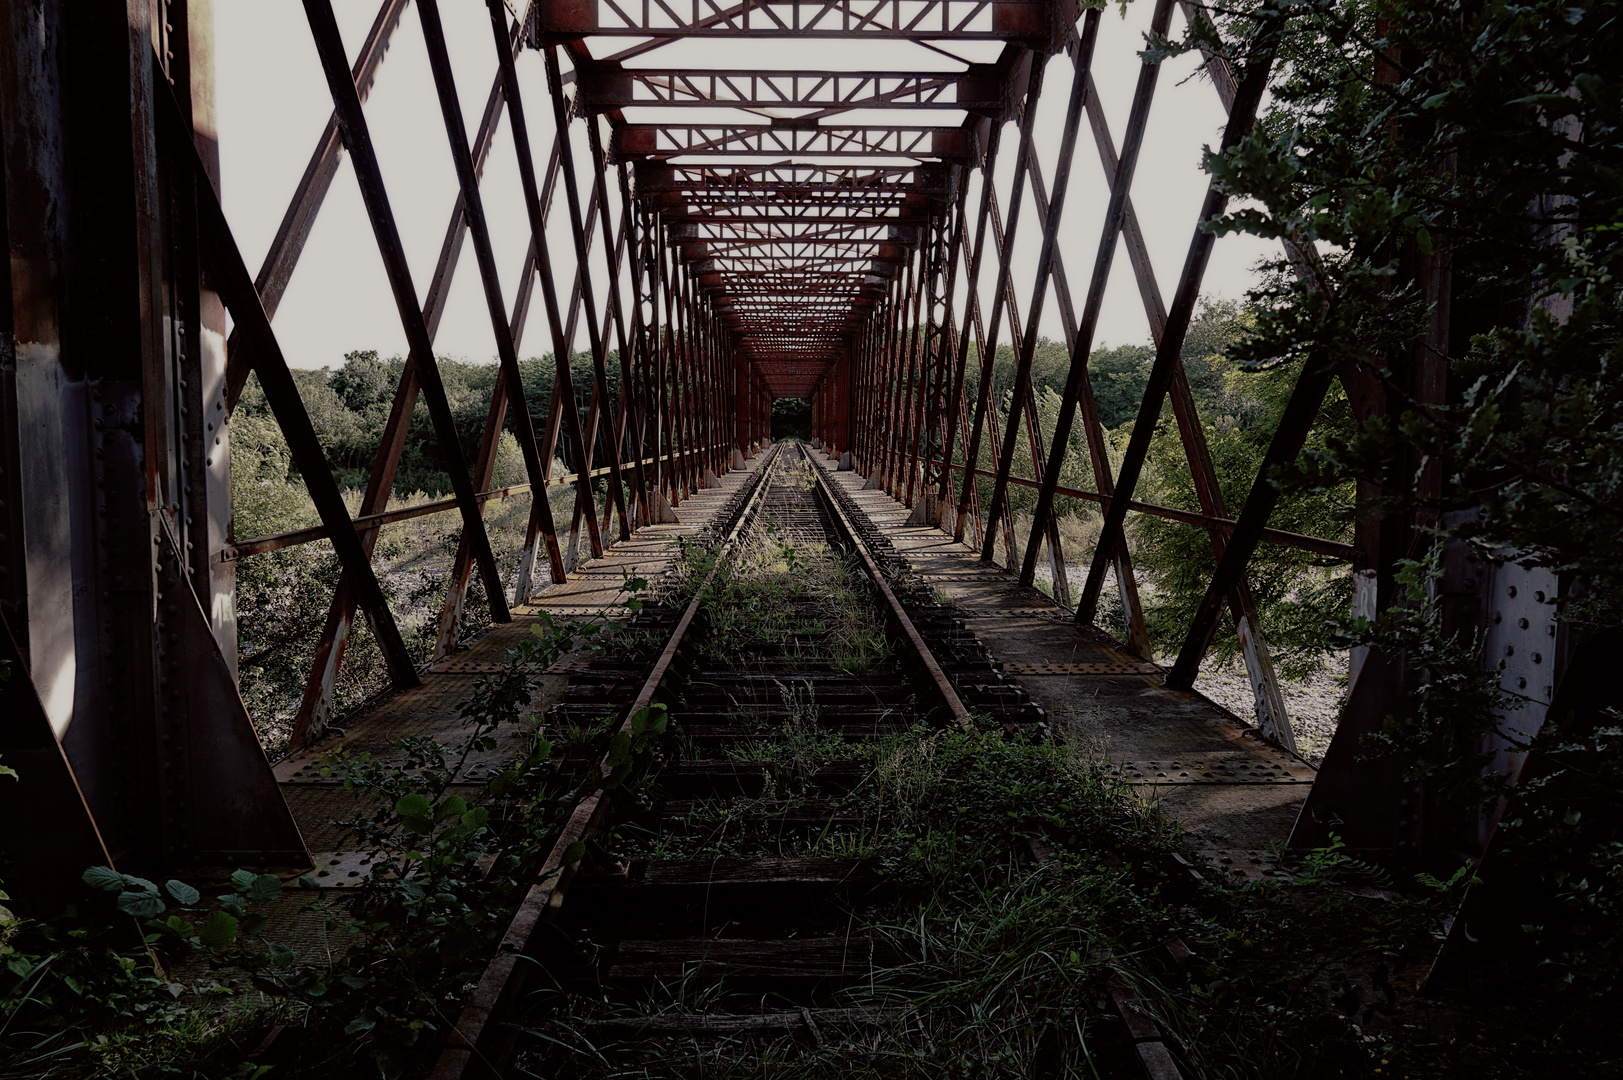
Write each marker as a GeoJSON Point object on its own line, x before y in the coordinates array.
{"type": "Point", "coordinates": [739, 708]}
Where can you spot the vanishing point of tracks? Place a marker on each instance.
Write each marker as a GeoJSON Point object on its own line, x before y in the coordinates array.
{"type": "Point", "coordinates": [773, 930]}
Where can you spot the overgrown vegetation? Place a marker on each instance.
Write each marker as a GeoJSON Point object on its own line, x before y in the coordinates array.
{"type": "Point", "coordinates": [776, 592]}
{"type": "Point", "coordinates": [1298, 595]}
{"type": "Point", "coordinates": [283, 595]}
{"type": "Point", "coordinates": [1474, 147]}
{"type": "Point", "coordinates": [1021, 881]}
{"type": "Point", "coordinates": [166, 983]}
{"type": "Point", "coordinates": [1003, 963]}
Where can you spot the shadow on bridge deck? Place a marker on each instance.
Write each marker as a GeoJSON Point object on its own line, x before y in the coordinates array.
{"type": "Point", "coordinates": [594, 591]}
{"type": "Point", "coordinates": [1232, 792]}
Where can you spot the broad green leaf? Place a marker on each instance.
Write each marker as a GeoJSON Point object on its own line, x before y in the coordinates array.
{"type": "Point", "coordinates": [574, 853]}
{"type": "Point", "coordinates": [265, 887]}
{"type": "Point", "coordinates": [241, 880]}
{"type": "Point", "coordinates": [411, 806]}
{"type": "Point", "coordinates": [476, 818]}
{"type": "Point", "coordinates": [103, 877]}
{"type": "Point", "coordinates": [454, 806]}
{"type": "Point", "coordinates": [218, 930]}
{"type": "Point", "coordinates": [183, 893]}
{"type": "Point", "coordinates": [142, 905]}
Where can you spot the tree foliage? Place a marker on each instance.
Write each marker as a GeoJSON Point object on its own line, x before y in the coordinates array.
{"type": "Point", "coordinates": [1476, 145]}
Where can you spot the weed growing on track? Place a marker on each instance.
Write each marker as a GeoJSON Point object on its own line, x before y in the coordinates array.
{"type": "Point", "coordinates": [1005, 961]}
{"type": "Point", "coordinates": [779, 599]}
{"type": "Point", "coordinates": [1002, 962]}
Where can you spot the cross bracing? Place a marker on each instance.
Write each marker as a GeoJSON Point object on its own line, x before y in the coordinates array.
{"type": "Point", "coordinates": [842, 235]}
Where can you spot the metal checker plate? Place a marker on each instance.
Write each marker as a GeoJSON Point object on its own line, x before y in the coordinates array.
{"type": "Point", "coordinates": [1257, 770]}
{"type": "Point", "coordinates": [1083, 667]}
{"type": "Point", "coordinates": [490, 667]}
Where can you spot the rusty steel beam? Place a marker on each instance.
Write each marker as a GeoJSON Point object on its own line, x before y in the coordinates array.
{"type": "Point", "coordinates": [230, 278]}
{"type": "Point", "coordinates": [333, 643]}
{"type": "Point", "coordinates": [512, 383]}
{"type": "Point", "coordinates": [594, 337]}
{"type": "Point", "coordinates": [788, 139]}
{"type": "Point", "coordinates": [357, 137]}
{"type": "Point", "coordinates": [1318, 545]}
{"type": "Point", "coordinates": [1039, 293]}
{"type": "Point", "coordinates": [627, 430]}
{"type": "Point", "coordinates": [1026, 403]}
{"type": "Point", "coordinates": [972, 272]}
{"type": "Point", "coordinates": [1241, 118]}
{"type": "Point", "coordinates": [1126, 581]}
{"type": "Point", "coordinates": [977, 90]}
{"type": "Point", "coordinates": [984, 404]}
{"type": "Point", "coordinates": [1302, 408]}
{"type": "Point", "coordinates": [926, 20]}
{"type": "Point", "coordinates": [563, 408]}
{"type": "Point", "coordinates": [1272, 718]}
{"type": "Point", "coordinates": [288, 244]}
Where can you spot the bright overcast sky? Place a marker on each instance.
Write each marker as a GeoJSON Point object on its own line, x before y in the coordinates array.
{"type": "Point", "coordinates": [273, 103]}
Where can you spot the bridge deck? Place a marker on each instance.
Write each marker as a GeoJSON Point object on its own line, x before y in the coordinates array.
{"type": "Point", "coordinates": [1205, 768]}
{"type": "Point", "coordinates": [593, 590]}
{"type": "Point", "coordinates": [1232, 792]}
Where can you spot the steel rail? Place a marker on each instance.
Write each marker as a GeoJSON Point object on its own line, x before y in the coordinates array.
{"type": "Point", "coordinates": [479, 1042]}
{"type": "Point", "coordinates": [910, 633]}
{"type": "Point", "coordinates": [477, 1032]}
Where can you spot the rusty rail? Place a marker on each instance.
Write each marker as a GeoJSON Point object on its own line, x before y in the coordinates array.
{"type": "Point", "coordinates": [479, 1043]}
{"type": "Point", "coordinates": [909, 632]}
{"type": "Point", "coordinates": [476, 1034]}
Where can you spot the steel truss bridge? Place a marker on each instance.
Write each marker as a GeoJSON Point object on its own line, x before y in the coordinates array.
{"type": "Point", "coordinates": [837, 236]}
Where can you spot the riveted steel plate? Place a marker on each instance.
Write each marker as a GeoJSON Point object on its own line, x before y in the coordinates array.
{"type": "Point", "coordinates": [342, 869]}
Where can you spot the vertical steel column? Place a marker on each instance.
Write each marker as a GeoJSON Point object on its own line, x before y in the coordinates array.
{"type": "Point", "coordinates": [560, 113]}
{"type": "Point", "coordinates": [628, 431]}
{"type": "Point", "coordinates": [909, 375]}
{"type": "Point", "coordinates": [992, 433]}
{"type": "Point", "coordinates": [944, 400]}
{"type": "Point", "coordinates": [892, 384]}
{"type": "Point", "coordinates": [926, 435]}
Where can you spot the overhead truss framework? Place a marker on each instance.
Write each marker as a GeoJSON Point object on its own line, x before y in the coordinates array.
{"type": "Point", "coordinates": [836, 234]}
